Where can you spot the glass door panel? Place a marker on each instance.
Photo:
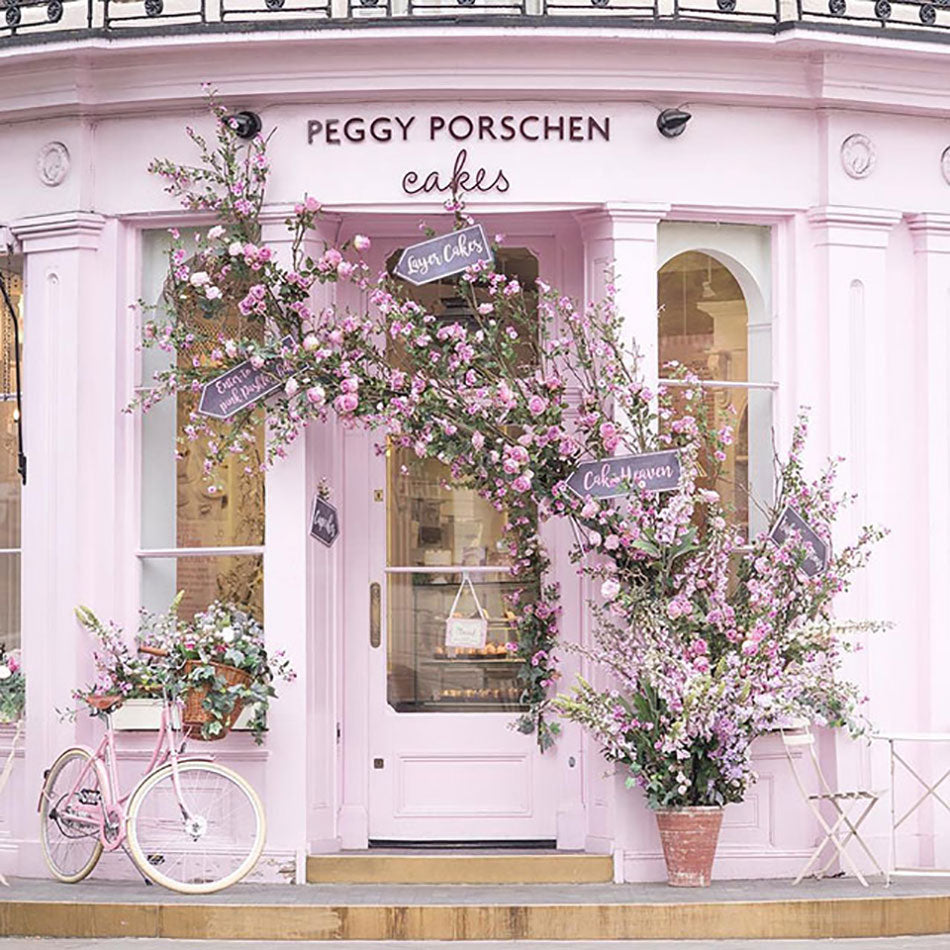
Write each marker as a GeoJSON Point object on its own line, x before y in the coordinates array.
{"type": "Point", "coordinates": [445, 550]}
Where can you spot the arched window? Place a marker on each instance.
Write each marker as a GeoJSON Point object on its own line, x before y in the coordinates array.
{"type": "Point", "coordinates": [704, 324]}
{"type": "Point", "coordinates": [180, 516]}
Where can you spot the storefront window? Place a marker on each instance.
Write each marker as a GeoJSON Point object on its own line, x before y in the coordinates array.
{"type": "Point", "coordinates": [10, 484]}
{"type": "Point", "coordinates": [447, 559]}
{"type": "Point", "coordinates": [704, 325]}
{"type": "Point", "coordinates": [207, 544]}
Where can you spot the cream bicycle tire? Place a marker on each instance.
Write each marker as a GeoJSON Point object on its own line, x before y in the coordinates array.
{"type": "Point", "coordinates": [54, 772]}
{"type": "Point", "coordinates": [149, 855]}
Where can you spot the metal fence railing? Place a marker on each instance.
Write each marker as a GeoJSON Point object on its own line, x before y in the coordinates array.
{"type": "Point", "coordinates": [22, 18]}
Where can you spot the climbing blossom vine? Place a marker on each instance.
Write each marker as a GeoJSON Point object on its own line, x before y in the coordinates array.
{"type": "Point", "coordinates": [709, 637]}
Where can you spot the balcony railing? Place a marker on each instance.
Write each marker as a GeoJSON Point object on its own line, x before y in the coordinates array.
{"type": "Point", "coordinates": [44, 17]}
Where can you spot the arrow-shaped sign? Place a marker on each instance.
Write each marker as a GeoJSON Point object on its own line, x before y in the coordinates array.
{"type": "Point", "coordinates": [241, 386]}
{"type": "Point", "coordinates": [444, 256]}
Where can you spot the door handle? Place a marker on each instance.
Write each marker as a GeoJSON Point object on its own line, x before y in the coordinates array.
{"type": "Point", "coordinates": [375, 620]}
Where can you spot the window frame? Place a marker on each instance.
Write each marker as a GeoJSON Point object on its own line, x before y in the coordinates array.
{"type": "Point", "coordinates": [142, 552]}
{"type": "Point", "coordinates": [713, 240]}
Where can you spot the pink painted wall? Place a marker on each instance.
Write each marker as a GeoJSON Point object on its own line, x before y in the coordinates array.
{"type": "Point", "coordinates": [860, 296]}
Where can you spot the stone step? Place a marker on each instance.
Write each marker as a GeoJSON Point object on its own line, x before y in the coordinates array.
{"type": "Point", "coordinates": [758, 910]}
{"type": "Point", "coordinates": [459, 867]}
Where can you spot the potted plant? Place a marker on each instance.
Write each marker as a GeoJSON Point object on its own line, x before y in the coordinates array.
{"type": "Point", "coordinates": [12, 686]}
{"type": "Point", "coordinates": [709, 641]}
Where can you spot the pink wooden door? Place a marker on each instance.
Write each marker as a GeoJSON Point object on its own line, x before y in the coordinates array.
{"type": "Point", "coordinates": [444, 762]}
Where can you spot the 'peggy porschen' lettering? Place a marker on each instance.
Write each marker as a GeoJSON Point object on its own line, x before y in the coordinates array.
{"type": "Point", "coordinates": [613, 477]}
{"type": "Point", "coordinates": [444, 256]}
{"type": "Point", "coordinates": [460, 128]}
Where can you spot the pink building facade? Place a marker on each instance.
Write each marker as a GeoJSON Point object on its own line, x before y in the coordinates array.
{"type": "Point", "coordinates": [797, 233]}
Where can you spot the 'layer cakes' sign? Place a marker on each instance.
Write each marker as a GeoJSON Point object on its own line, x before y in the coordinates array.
{"type": "Point", "coordinates": [240, 387]}
{"type": "Point", "coordinates": [623, 474]}
{"type": "Point", "coordinates": [789, 522]}
{"type": "Point", "coordinates": [444, 256]}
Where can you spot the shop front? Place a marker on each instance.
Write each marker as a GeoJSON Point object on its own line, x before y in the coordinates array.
{"type": "Point", "coordinates": [778, 247]}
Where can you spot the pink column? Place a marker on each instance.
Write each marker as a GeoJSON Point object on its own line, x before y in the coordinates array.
{"type": "Point", "coordinates": [291, 563]}
{"type": "Point", "coordinates": [620, 247]}
{"type": "Point", "coordinates": [68, 525]}
{"type": "Point", "coordinates": [931, 238]}
{"type": "Point", "coordinates": [852, 416]}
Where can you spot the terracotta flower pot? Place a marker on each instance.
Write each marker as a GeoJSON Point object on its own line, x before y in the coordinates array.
{"type": "Point", "coordinates": [689, 836]}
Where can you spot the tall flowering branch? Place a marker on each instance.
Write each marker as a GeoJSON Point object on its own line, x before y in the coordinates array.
{"type": "Point", "coordinates": [708, 637]}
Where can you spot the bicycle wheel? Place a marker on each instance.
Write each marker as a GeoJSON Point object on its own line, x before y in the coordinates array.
{"type": "Point", "coordinates": [205, 839]}
{"type": "Point", "coordinates": [71, 815]}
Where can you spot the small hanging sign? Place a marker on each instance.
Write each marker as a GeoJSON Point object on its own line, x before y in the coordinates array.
{"type": "Point", "coordinates": [466, 631]}
{"type": "Point", "coordinates": [816, 561]}
{"type": "Point", "coordinates": [617, 476]}
{"type": "Point", "coordinates": [444, 256]}
{"type": "Point", "coordinates": [240, 387]}
{"type": "Point", "coordinates": [324, 522]}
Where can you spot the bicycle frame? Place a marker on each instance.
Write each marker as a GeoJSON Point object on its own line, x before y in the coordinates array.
{"type": "Point", "coordinates": [111, 808]}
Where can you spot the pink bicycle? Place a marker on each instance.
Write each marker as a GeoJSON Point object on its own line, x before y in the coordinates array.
{"type": "Point", "coordinates": [189, 824]}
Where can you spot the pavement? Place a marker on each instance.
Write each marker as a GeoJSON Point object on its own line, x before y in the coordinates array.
{"type": "Point", "coordinates": [336, 895]}
{"type": "Point", "coordinates": [941, 942]}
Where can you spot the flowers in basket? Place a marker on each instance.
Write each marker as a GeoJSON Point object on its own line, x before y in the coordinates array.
{"type": "Point", "coordinates": [217, 664]}
{"type": "Point", "coordinates": [224, 666]}
{"type": "Point", "coordinates": [12, 685]}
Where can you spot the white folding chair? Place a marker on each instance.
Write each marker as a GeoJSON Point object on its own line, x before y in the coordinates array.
{"type": "Point", "coordinates": [850, 808]}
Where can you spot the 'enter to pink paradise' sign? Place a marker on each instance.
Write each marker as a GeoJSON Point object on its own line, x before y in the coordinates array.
{"type": "Point", "coordinates": [240, 387]}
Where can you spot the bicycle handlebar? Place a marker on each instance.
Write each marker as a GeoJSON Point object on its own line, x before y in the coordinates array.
{"type": "Point", "coordinates": [153, 651]}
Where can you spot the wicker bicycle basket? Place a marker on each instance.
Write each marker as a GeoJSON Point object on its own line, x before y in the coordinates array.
{"type": "Point", "coordinates": [194, 715]}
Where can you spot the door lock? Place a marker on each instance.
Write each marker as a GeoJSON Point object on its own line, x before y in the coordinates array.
{"type": "Point", "coordinates": [378, 763]}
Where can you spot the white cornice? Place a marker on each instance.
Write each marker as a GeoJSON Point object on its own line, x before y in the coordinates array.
{"type": "Point", "coordinates": [126, 75]}
{"type": "Point", "coordinates": [63, 231]}
{"type": "Point", "coordinates": [838, 225]}
{"type": "Point", "coordinates": [930, 232]}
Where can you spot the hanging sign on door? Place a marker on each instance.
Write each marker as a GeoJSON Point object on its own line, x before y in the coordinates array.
{"type": "Point", "coordinates": [466, 631]}
{"type": "Point", "coordinates": [324, 522]}
{"type": "Point", "coordinates": [816, 561]}
{"type": "Point", "coordinates": [444, 256]}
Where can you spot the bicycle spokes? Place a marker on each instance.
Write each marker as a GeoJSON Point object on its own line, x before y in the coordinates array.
{"type": "Point", "coordinates": [71, 816]}
{"type": "Point", "coordinates": [197, 826]}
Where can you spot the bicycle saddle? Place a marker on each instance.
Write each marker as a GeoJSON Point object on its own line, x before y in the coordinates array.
{"type": "Point", "coordinates": [104, 703]}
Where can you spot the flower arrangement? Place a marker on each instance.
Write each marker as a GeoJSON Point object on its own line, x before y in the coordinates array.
{"type": "Point", "coordinates": [200, 653]}
{"type": "Point", "coordinates": [710, 641]}
{"type": "Point", "coordinates": [12, 686]}
{"type": "Point", "coordinates": [222, 639]}
{"type": "Point", "coordinates": [709, 635]}
{"type": "Point", "coordinates": [119, 670]}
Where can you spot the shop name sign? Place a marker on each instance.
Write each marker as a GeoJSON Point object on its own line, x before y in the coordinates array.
{"type": "Point", "coordinates": [463, 129]}
{"type": "Point", "coordinates": [444, 256]}
{"type": "Point", "coordinates": [622, 474]}
{"type": "Point", "coordinates": [324, 522]}
{"type": "Point", "coordinates": [240, 387]}
{"type": "Point", "coordinates": [790, 521]}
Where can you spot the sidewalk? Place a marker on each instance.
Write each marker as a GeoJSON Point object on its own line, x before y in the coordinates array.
{"type": "Point", "coordinates": [730, 910]}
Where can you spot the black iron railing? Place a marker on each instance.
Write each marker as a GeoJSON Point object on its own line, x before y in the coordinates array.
{"type": "Point", "coordinates": [21, 18]}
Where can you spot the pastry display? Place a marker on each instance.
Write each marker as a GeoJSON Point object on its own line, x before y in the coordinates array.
{"type": "Point", "coordinates": [502, 694]}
